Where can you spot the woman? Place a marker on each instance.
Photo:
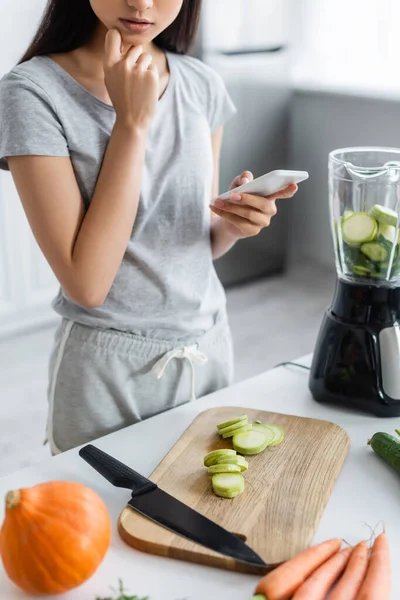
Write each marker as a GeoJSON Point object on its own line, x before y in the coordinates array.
{"type": "Point", "coordinates": [112, 134]}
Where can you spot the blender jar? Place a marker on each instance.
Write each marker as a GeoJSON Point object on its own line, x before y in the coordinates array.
{"type": "Point", "coordinates": [364, 191]}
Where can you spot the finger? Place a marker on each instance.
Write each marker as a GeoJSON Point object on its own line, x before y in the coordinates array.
{"type": "Point", "coordinates": [255, 203]}
{"type": "Point", "coordinates": [245, 177]}
{"type": "Point", "coordinates": [251, 214]}
{"type": "Point", "coordinates": [133, 55]}
{"type": "Point", "coordinates": [153, 68]}
{"type": "Point", "coordinates": [112, 47]}
{"type": "Point", "coordinates": [145, 60]}
{"type": "Point", "coordinates": [286, 192]}
{"type": "Point", "coordinates": [247, 228]}
{"type": "Point", "coordinates": [263, 203]}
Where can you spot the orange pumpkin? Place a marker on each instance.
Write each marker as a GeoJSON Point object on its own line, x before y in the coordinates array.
{"type": "Point", "coordinates": [54, 536]}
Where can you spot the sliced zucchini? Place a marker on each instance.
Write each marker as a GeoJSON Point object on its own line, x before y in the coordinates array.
{"type": "Point", "coordinates": [250, 442]}
{"type": "Point", "coordinates": [228, 485]}
{"type": "Point", "coordinates": [237, 430]}
{"type": "Point", "coordinates": [375, 252]}
{"type": "Point", "coordinates": [231, 422]}
{"type": "Point", "coordinates": [385, 215]}
{"type": "Point", "coordinates": [347, 214]}
{"type": "Point", "coordinates": [388, 232]}
{"type": "Point", "coordinates": [274, 432]}
{"type": "Point", "coordinates": [227, 494]}
{"type": "Point", "coordinates": [360, 271]}
{"type": "Point", "coordinates": [236, 425]}
{"type": "Point", "coordinates": [359, 228]}
{"type": "Point", "coordinates": [266, 430]}
{"type": "Point", "coordinates": [211, 457]}
{"type": "Point", "coordinates": [279, 434]}
{"type": "Point", "coordinates": [224, 468]}
{"type": "Point", "coordinates": [233, 460]}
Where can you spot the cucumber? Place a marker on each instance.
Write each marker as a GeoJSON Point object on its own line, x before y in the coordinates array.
{"type": "Point", "coordinates": [375, 252]}
{"type": "Point", "coordinates": [231, 422]}
{"type": "Point", "coordinates": [228, 485]}
{"type": "Point", "coordinates": [387, 447]}
{"type": "Point", "coordinates": [250, 442]}
{"type": "Point", "coordinates": [384, 215]}
{"type": "Point", "coordinates": [224, 468]}
{"type": "Point", "coordinates": [233, 460]}
{"type": "Point", "coordinates": [359, 228]}
{"type": "Point", "coordinates": [211, 457]}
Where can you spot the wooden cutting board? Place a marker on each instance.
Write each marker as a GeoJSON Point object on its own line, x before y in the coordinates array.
{"type": "Point", "coordinates": [286, 490]}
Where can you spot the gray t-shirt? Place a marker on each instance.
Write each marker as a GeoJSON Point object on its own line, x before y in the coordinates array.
{"type": "Point", "coordinates": [166, 286]}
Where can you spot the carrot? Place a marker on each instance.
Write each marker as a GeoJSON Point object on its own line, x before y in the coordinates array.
{"type": "Point", "coordinates": [377, 580]}
{"type": "Point", "coordinates": [350, 582]}
{"type": "Point", "coordinates": [320, 582]}
{"type": "Point", "coordinates": [281, 583]}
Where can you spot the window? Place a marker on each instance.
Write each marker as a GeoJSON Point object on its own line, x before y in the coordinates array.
{"type": "Point", "coordinates": [244, 24]}
{"type": "Point", "coordinates": [348, 42]}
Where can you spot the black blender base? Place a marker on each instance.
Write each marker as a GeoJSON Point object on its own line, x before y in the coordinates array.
{"type": "Point", "coordinates": [346, 368]}
{"type": "Point", "coordinates": [358, 404]}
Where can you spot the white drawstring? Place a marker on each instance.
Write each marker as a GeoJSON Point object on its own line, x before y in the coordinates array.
{"type": "Point", "coordinates": [190, 352]}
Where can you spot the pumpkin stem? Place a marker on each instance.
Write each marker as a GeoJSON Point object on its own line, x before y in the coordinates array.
{"type": "Point", "coordinates": [13, 498]}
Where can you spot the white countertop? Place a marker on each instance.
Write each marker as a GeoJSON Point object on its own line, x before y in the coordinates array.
{"type": "Point", "coordinates": [367, 491]}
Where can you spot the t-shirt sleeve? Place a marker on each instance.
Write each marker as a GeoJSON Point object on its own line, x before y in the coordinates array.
{"type": "Point", "coordinates": [28, 121]}
{"type": "Point", "coordinates": [220, 105]}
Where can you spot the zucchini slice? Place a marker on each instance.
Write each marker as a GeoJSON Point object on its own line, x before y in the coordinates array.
{"type": "Point", "coordinates": [233, 460]}
{"type": "Point", "coordinates": [211, 457]}
{"type": "Point", "coordinates": [228, 485]}
{"type": "Point", "coordinates": [388, 232]}
{"type": "Point", "coordinates": [236, 425]}
{"type": "Point", "coordinates": [359, 228]}
{"type": "Point", "coordinates": [224, 468]}
{"type": "Point", "coordinates": [384, 215]}
{"type": "Point", "coordinates": [375, 252]}
{"type": "Point", "coordinates": [361, 271]}
{"type": "Point", "coordinates": [237, 430]}
{"type": "Point", "coordinates": [274, 432]}
{"type": "Point", "coordinates": [250, 442]}
{"type": "Point", "coordinates": [266, 430]}
{"type": "Point", "coordinates": [231, 422]}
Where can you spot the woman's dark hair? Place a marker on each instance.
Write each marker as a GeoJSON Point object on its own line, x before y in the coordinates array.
{"type": "Point", "coordinates": [69, 24]}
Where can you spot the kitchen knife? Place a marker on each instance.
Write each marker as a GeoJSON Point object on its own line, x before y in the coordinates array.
{"type": "Point", "coordinates": [152, 502]}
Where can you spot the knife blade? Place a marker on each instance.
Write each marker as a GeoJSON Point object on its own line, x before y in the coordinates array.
{"type": "Point", "coordinates": [169, 512]}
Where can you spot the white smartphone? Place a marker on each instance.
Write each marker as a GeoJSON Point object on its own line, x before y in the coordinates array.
{"type": "Point", "coordinates": [268, 184]}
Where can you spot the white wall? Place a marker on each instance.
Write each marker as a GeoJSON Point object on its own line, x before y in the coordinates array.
{"type": "Point", "coordinates": [27, 284]}
{"type": "Point", "coordinates": [321, 122]}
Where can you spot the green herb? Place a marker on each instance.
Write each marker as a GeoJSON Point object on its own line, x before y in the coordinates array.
{"type": "Point", "coordinates": [123, 595]}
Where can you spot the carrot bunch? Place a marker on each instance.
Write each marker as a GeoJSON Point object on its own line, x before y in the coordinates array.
{"type": "Point", "coordinates": [310, 575]}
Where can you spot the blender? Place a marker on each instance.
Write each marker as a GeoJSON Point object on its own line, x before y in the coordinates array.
{"type": "Point", "coordinates": [356, 362]}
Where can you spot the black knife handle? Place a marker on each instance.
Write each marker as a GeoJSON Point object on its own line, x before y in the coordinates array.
{"type": "Point", "coordinates": [116, 472]}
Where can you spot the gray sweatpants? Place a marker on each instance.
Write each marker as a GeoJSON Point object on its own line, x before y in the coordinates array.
{"type": "Point", "coordinates": [102, 380]}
